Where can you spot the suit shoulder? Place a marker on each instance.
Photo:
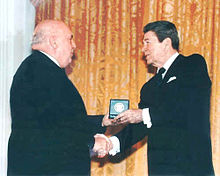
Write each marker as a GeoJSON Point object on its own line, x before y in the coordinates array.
{"type": "Point", "coordinates": [195, 66]}
{"type": "Point", "coordinates": [195, 59]}
{"type": "Point", "coordinates": [25, 66]}
{"type": "Point", "coordinates": [31, 69]}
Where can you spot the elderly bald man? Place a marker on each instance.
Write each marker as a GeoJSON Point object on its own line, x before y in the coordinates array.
{"type": "Point", "coordinates": [51, 131]}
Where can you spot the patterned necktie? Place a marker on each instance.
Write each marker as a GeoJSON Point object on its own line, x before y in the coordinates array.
{"type": "Point", "coordinates": [159, 75]}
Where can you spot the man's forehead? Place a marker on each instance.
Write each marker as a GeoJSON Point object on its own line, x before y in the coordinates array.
{"type": "Point", "coordinates": [150, 35]}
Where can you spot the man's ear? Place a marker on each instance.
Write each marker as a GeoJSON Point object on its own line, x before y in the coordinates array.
{"type": "Point", "coordinates": [167, 42]}
{"type": "Point", "coordinates": [52, 42]}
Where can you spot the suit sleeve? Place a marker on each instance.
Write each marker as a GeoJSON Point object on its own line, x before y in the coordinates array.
{"type": "Point", "coordinates": [96, 123]}
{"type": "Point", "coordinates": [131, 134]}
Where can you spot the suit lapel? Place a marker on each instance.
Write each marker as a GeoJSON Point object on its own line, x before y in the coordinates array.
{"type": "Point", "coordinates": [172, 71]}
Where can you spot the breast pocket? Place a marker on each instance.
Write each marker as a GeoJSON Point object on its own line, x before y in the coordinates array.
{"type": "Point", "coordinates": [169, 89]}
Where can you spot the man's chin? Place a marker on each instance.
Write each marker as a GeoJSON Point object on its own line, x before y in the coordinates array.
{"type": "Point", "coordinates": [149, 62]}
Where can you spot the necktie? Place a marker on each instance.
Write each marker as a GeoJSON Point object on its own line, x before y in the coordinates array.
{"type": "Point", "coordinates": [159, 75]}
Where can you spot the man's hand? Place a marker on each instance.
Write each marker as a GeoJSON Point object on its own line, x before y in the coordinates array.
{"type": "Point", "coordinates": [102, 145]}
{"type": "Point", "coordinates": [106, 121]}
{"type": "Point", "coordinates": [129, 116]}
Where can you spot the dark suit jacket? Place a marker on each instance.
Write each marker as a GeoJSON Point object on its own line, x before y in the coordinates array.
{"type": "Point", "coordinates": [50, 128]}
{"type": "Point", "coordinates": [179, 139]}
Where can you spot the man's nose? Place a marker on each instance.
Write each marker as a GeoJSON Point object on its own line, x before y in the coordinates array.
{"type": "Point", "coordinates": [143, 49]}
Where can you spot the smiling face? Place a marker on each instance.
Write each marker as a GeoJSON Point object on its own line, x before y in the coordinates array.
{"type": "Point", "coordinates": [153, 49]}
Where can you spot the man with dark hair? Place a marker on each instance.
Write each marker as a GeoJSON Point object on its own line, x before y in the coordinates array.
{"type": "Point", "coordinates": [173, 109]}
{"type": "Point", "coordinates": [163, 30]}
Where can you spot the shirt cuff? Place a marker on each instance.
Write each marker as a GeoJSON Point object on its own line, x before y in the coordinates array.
{"type": "Point", "coordinates": [146, 117]}
{"type": "Point", "coordinates": [116, 145]}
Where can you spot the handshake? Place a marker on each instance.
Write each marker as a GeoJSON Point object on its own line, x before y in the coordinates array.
{"type": "Point", "coordinates": [104, 145]}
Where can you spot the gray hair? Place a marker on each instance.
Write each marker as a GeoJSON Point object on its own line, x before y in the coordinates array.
{"type": "Point", "coordinates": [38, 38]}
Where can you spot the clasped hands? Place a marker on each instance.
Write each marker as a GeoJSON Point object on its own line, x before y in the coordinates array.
{"type": "Point", "coordinates": [103, 144]}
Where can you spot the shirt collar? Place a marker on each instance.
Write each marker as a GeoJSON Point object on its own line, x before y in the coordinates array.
{"type": "Point", "coordinates": [51, 58]}
{"type": "Point", "coordinates": [169, 62]}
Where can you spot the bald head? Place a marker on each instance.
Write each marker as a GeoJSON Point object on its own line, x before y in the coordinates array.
{"type": "Point", "coordinates": [54, 38]}
{"type": "Point", "coordinates": [45, 30]}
